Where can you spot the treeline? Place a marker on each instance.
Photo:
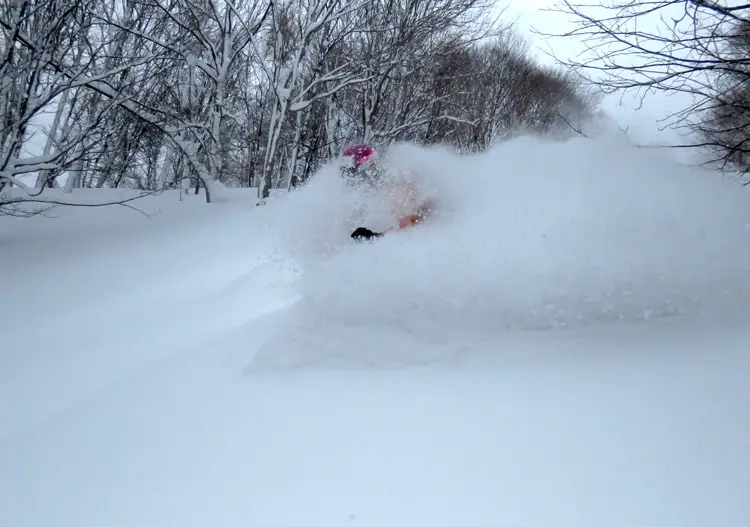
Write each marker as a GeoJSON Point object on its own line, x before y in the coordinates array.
{"type": "Point", "coordinates": [150, 93]}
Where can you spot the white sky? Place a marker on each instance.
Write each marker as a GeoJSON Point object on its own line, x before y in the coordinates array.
{"type": "Point", "coordinates": [641, 120]}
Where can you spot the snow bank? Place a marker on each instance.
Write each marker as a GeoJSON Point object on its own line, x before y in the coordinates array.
{"type": "Point", "coordinates": [532, 234]}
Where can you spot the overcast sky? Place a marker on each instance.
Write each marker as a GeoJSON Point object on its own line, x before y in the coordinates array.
{"type": "Point", "coordinates": [642, 123]}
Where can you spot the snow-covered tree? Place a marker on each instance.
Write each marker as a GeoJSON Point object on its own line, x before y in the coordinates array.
{"type": "Point", "coordinates": [152, 93]}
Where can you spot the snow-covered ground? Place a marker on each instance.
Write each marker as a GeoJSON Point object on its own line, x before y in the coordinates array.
{"type": "Point", "coordinates": [563, 345]}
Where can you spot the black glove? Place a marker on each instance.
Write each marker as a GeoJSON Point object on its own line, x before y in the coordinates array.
{"type": "Point", "coordinates": [363, 233]}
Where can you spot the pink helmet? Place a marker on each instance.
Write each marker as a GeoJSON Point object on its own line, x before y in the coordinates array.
{"type": "Point", "coordinates": [359, 153]}
{"type": "Point", "coordinates": [359, 165]}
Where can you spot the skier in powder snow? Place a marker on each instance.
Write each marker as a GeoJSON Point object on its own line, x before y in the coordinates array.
{"type": "Point", "coordinates": [360, 166]}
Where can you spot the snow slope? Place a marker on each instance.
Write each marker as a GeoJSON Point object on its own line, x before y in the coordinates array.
{"type": "Point", "coordinates": [563, 346]}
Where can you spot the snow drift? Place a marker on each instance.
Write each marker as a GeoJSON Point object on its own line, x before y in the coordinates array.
{"type": "Point", "coordinates": [532, 234]}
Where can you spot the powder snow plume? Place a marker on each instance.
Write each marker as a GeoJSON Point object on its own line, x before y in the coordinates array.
{"type": "Point", "coordinates": [530, 234]}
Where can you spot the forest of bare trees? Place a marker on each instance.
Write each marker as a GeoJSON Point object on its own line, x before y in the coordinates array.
{"type": "Point", "coordinates": [150, 94]}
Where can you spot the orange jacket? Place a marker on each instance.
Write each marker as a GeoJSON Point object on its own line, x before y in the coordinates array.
{"type": "Point", "coordinates": [409, 220]}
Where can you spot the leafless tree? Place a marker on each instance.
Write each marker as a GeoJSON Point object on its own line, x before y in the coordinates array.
{"type": "Point", "coordinates": [697, 48]}
{"type": "Point", "coordinates": [37, 39]}
{"type": "Point", "coordinates": [302, 38]}
{"type": "Point", "coordinates": [207, 40]}
{"type": "Point", "coordinates": [724, 127]}
{"type": "Point", "coordinates": [404, 39]}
